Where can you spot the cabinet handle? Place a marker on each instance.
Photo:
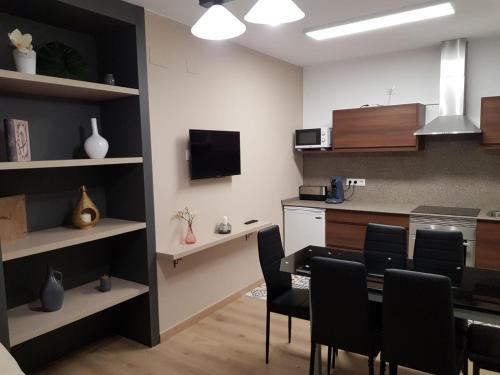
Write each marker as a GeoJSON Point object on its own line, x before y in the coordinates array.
{"type": "Point", "coordinates": [318, 217]}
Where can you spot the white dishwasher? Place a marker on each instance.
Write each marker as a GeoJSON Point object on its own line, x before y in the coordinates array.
{"type": "Point", "coordinates": [303, 226]}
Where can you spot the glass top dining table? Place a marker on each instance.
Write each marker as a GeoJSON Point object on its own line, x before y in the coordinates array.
{"type": "Point", "coordinates": [476, 297]}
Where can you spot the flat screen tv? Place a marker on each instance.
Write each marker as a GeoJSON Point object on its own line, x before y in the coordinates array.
{"type": "Point", "coordinates": [214, 153]}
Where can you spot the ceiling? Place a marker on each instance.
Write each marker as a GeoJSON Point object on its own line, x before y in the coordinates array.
{"type": "Point", "coordinates": [473, 18]}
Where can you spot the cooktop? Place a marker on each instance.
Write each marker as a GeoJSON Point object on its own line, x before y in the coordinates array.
{"type": "Point", "coordinates": [450, 211]}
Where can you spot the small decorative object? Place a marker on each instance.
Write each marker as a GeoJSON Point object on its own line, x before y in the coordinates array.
{"type": "Point", "coordinates": [24, 56]}
{"type": "Point", "coordinates": [109, 79]}
{"type": "Point", "coordinates": [105, 283]}
{"type": "Point", "coordinates": [189, 217]}
{"type": "Point", "coordinates": [224, 227]}
{"type": "Point", "coordinates": [59, 60]}
{"type": "Point", "coordinates": [96, 146]}
{"type": "Point", "coordinates": [52, 292]}
{"type": "Point", "coordinates": [86, 215]}
{"type": "Point", "coordinates": [13, 223]}
{"type": "Point", "coordinates": [18, 140]}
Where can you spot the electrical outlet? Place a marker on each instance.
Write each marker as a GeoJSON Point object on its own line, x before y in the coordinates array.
{"type": "Point", "coordinates": [356, 182]}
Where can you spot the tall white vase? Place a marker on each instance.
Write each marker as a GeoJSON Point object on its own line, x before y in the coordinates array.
{"type": "Point", "coordinates": [96, 146]}
{"type": "Point", "coordinates": [25, 62]}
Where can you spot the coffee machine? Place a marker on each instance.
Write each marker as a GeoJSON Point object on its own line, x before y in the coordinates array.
{"type": "Point", "coordinates": [336, 195]}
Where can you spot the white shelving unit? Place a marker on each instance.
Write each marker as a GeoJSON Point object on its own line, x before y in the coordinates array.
{"type": "Point", "coordinates": [57, 238]}
{"type": "Point", "coordinates": [34, 84]}
{"type": "Point", "coordinates": [239, 230]}
{"type": "Point", "coordinates": [28, 321]}
{"type": "Point", "coordinates": [6, 166]}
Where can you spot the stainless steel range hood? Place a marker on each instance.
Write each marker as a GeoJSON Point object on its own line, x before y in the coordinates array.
{"type": "Point", "coordinates": [452, 119]}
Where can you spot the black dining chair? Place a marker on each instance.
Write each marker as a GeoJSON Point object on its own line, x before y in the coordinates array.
{"type": "Point", "coordinates": [281, 297]}
{"type": "Point", "coordinates": [483, 347]}
{"type": "Point", "coordinates": [418, 326]}
{"type": "Point", "coordinates": [386, 246]}
{"type": "Point", "coordinates": [441, 253]}
{"type": "Point", "coordinates": [341, 315]}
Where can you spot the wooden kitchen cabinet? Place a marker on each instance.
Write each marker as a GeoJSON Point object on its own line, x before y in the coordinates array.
{"type": "Point", "coordinates": [490, 121]}
{"type": "Point", "coordinates": [384, 128]}
{"type": "Point", "coordinates": [347, 229]}
{"type": "Point", "coordinates": [488, 245]}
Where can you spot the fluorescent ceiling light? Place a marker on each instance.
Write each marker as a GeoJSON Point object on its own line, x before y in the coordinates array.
{"type": "Point", "coordinates": [217, 24]}
{"type": "Point", "coordinates": [274, 12]}
{"type": "Point", "coordinates": [374, 23]}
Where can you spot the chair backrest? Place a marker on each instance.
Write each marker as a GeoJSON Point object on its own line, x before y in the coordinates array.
{"type": "Point", "coordinates": [270, 254]}
{"type": "Point", "coordinates": [418, 325]}
{"type": "Point", "coordinates": [441, 253]}
{"type": "Point", "coordinates": [386, 246]}
{"type": "Point", "coordinates": [340, 311]}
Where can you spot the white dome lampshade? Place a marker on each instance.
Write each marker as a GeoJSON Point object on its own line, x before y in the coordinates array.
{"type": "Point", "coordinates": [274, 12]}
{"type": "Point", "coordinates": [218, 23]}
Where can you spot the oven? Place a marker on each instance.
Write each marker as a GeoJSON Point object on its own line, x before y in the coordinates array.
{"type": "Point", "coordinates": [446, 223]}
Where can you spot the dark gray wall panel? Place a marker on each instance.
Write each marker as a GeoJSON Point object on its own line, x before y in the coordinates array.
{"type": "Point", "coordinates": [4, 328]}
{"type": "Point", "coordinates": [79, 264]}
{"type": "Point", "coordinates": [58, 129]}
{"type": "Point", "coordinates": [52, 194]}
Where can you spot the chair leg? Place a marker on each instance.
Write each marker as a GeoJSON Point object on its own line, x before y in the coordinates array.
{"type": "Point", "coordinates": [335, 353]}
{"type": "Point", "coordinates": [382, 365]}
{"type": "Point", "coordinates": [311, 359]}
{"type": "Point", "coordinates": [371, 365]}
{"type": "Point", "coordinates": [393, 369]}
{"type": "Point", "coordinates": [268, 324]}
{"type": "Point", "coordinates": [465, 368]}
{"type": "Point", "coordinates": [289, 329]}
{"type": "Point", "coordinates": [475, 369]}
{"type": "Point", "coordinates": [329, 365]}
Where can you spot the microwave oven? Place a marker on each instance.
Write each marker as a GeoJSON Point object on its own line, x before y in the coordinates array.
{"type": "Point", "coordinates": [318, 138]}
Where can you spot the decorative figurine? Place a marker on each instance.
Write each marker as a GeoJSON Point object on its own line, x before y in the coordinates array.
{"type": "Point", "coordinates": [109, 79]}
{"type": "Point", "coordinates": [52, 292]}
{"type": "Point", "coordinates": [85, 215]}
{"type": "Point", "coordinates": [189, 217]}
{"type": "Point", "coordinates": [224, 227]}
{"type": "Point", "coordinates": [105, 283]}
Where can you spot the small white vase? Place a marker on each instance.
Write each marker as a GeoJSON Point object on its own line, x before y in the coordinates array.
{"type": "Point", "coordinates": [25, 61]}
{"type": "Point", "coordinates": [96, 146]}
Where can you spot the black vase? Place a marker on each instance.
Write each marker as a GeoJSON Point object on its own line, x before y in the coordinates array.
{"type": "Point", "coordinates": [52, 292]}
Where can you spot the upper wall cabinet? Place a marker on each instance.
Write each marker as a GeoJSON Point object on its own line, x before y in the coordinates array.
{"type": "Point", "coordinates": [490, 121]}
{"type": "Point", "coordinates": [385, 128]}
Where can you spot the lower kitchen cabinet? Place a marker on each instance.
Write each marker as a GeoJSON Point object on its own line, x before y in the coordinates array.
{"type": "Point", "coordinates": [488, 245]}
{"type": "Point", "coordinates": [347, 229]}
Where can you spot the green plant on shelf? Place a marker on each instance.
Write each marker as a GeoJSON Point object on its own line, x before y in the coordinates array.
{"type": "Point", "coordinates": [59, 60]}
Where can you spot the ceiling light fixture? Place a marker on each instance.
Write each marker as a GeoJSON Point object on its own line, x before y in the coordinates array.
{"type": "Point", "coordinates": [217, 23]}
{"type": "Point", "coordinates": [274, 12]}
{"type": "Point", "coordinates": [380, 22]}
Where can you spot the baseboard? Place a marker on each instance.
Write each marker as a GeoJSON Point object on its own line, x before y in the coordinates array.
{"type": "Point", "coordinates": [172, 331]}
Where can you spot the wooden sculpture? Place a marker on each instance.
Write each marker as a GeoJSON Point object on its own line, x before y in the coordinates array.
{"type": "Point", "coordinates": [86, 215]}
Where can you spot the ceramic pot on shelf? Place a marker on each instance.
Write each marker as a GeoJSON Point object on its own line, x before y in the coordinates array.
{"type": "Point", "coordinates": [25, 61]}
{"type": "Point", "coordinates": [96, 146]}
{"type": "Point", "coordinates": [52, 292]}
{"type": "Point", "coordinates": [190, 237]}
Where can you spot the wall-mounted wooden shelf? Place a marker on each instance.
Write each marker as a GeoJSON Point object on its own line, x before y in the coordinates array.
{"type": "Point", "coordinates": [27, 321]}
{"type": "Point", "coordinates": [57, 238]}
{"type": "Point", "coordinates": [33, 84]}
{"type": "Point", "coordinates": [6, 166]}
{"type": "Point", "coordinates": [239, 230]}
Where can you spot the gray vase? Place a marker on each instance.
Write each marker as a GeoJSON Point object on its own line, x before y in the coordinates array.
{"type": "Point", "coordinates": [52, 292]}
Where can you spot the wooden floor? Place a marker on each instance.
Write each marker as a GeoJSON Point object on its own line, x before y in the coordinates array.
{"type": "Point", "coordinates": [230, 341]}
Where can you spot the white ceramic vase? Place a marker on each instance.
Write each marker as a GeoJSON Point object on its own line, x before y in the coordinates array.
{"type": "Point", "coordinates": [96, 146]}
{"type": "Point", "coordinates": [25, 61]}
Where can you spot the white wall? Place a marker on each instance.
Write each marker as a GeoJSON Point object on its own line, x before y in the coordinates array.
{"type": "Point", "coordinates": [208, 85]}
{"type": "Point", "coordinates": [415, 73]}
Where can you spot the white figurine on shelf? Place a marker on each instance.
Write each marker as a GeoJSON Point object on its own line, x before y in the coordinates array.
{"type": "Point", "coordinates": [224, 227]}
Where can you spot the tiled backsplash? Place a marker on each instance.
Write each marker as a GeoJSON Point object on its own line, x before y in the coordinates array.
{"type": "Point", "coordinates": [452, 170]}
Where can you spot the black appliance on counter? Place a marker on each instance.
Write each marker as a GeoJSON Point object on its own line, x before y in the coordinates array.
{"type": "Point", "coordinates": [313, 193]}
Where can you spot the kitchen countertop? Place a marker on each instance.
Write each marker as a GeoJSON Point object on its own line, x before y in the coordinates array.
{"type": "Point", "coordinates": [386, 208]}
